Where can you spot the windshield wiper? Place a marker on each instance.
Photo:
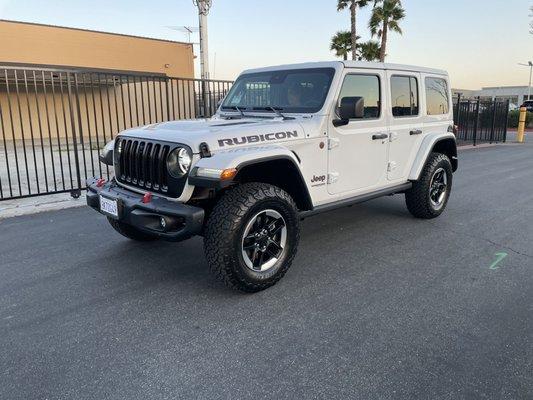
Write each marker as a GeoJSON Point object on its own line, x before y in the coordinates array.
{"type": "Point", "coordinates": [275, 110]}
{"type": "Point", "coordinates": [234, 108]}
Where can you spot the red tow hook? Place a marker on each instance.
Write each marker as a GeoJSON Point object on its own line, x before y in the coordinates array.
{"type": "Point", "coordinates": [147, 198]}
{"type": "Point", "coordinates": [100, 182]}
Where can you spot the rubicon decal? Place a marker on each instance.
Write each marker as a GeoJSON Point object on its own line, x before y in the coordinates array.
{"type": "Point", "coordinates": [257, 138]}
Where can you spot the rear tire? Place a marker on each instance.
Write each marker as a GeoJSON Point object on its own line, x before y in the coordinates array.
{"type": "Point", "coordinates": [130, 232]}
{"type": "Point", "coordinates": [430, 193]}
{"type": "Point", "coordinates": [252, 236]}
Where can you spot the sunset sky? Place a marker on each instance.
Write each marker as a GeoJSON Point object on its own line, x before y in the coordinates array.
{"type": "Point", "coordinates": [480, 42]}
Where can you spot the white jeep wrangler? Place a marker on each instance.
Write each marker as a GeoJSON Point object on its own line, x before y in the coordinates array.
{"type": "Point", "coordinates": [287, 142]}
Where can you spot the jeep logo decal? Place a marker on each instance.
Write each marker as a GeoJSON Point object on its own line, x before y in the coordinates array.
{"type": "Point", "coordinates": [318, 180]}
{"type": "Point", "coordinates": [257, 138]}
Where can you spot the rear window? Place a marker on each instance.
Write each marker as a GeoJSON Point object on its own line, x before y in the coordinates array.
{"type": "Point", "coordinates": [404, 93]}
{"type": "Point", "coordinates": [437, 96]}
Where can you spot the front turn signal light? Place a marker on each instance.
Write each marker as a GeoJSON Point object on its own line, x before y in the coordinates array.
{"type": "Point", "coordinates": [213, 173]}
{"type": "Point", "coordinates": [228, 174]}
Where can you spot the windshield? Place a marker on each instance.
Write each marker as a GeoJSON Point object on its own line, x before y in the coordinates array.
{"type": "Point", "coordinates": [292, 91]}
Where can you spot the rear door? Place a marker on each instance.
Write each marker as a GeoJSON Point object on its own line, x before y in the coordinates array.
{"type": "Point", "coordinates": [406, 124]}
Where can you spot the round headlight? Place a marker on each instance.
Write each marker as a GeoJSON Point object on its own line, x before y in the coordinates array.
{"type": "Point", "coordinates": [178, 162]}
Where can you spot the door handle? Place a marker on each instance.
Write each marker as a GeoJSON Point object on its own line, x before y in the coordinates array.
{"type": "Point", "coordinates": [416, 132]}
{"type": "Point", "coordinates": [380, 136]}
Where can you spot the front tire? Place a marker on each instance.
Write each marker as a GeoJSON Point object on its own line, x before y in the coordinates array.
{"type": "Point", "coordinates": [252, 236]}
{"type": "Point", "coordinates": [430, 193]}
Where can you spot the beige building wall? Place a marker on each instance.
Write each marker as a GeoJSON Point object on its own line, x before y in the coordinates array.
{"type": "Point", "coordinates": [26, 43]}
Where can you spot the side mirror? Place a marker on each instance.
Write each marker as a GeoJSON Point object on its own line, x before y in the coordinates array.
{"type": "Point", "coordinates": [350, 108]}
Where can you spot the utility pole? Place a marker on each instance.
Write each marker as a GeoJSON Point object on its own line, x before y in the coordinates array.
{"type": "Point", "coordinates": [203, 9]}
{"type": "Point", "coordinates": [530, 65]}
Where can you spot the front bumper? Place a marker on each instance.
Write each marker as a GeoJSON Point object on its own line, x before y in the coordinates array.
{"type": "Point", "coordinates": [181, 221]}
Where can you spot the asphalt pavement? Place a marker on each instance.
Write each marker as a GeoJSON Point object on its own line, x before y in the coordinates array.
{"type": "Point", "coordinates": [377, 305]}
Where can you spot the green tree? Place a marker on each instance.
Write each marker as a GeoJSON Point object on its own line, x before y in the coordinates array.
{"type": "Point", "coordinates": [386, 16]}
{"type": "Point", "coordinates": [353, 5]}
{"type": "Point", "coordinates": [368, 51]}
{"type": "Point", "coordinates": [341, 44]}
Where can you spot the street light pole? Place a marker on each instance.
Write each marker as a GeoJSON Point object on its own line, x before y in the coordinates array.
{"type": "Point", "coordinates": [530, 65]}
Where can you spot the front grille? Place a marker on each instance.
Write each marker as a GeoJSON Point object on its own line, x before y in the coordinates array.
{"type": "Point", "coordinates": [143, 164]}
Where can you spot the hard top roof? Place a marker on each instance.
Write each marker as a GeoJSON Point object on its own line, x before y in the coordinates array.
{"type": "Point", "coordinates": [351, 64]}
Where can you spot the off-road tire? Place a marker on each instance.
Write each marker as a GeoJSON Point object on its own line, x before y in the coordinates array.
{"type": "Point", "coordinates": [225, 229]}
{"type": "Point", "coordinates": [417, 198]}
{"type": "Point", "coordinates": [130, 232]}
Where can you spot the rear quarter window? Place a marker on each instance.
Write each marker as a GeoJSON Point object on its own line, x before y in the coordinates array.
{"type": "Point", "coordinates": [437, 96]}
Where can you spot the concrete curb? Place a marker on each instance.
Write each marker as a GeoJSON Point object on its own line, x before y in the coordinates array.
{"type": "Point", "coordinates": [34, 205]}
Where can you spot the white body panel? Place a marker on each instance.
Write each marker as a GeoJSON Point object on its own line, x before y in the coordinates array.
{"type": "Point", "coordinates": [356, 164]}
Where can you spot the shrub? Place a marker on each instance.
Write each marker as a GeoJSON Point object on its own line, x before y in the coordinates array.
{"type": "Point", "coordinates": [512, 121]}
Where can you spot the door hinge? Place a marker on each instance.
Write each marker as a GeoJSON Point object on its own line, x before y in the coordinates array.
{"type": "Point", "coordinates": [333, 142]}
{"type": "Point", "coordinates": [391, 167]}
{"type": "Point", "coordinates": [333, 177]}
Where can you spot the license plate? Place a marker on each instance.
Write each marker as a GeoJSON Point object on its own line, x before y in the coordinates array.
{"type": "Point", "coordinates": [109, 206]}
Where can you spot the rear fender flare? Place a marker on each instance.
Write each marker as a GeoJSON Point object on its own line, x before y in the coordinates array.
{"type": "Point", "coordinates": [430, 142]}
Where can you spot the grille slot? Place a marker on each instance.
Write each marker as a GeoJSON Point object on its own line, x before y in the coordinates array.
{"type": "Point", "coordinates": [143, 164]}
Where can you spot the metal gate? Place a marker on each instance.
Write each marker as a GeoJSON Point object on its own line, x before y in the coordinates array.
{"type": "Point", "coordinates": [481, 121]}
{"type": "Point", "coordinates": [54, 122]}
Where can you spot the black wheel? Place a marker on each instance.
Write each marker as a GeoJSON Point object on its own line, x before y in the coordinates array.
{"type": "Point", "coordinates": [251, 236]}
{"type": "Point", "coordinates": [130, 232]}
{"type": "Point", "coordinates": [429, 195]}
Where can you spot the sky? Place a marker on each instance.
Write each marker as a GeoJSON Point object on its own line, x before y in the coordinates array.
{"type": "Point", "coordinates": [480, 42]}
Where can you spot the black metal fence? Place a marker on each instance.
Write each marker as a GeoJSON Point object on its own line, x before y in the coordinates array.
{"type": "Point", "coordinates": [481, 121]}
{"type": "Point", "coordinates": [54, 122]}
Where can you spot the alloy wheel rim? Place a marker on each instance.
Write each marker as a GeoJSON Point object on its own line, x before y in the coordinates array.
{"type": "Point", "coordinates": [263, 241]}
{"type": "Point", "coordinates": [438, 188]}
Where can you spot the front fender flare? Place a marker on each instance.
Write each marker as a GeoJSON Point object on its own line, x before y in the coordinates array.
{"type": "Point", "coordinates": [262, 162]}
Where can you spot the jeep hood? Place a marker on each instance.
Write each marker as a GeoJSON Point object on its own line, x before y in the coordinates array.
{"type": "Point", "coordinates": [221, 134]}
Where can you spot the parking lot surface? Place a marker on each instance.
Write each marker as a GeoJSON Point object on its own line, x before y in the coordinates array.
{"type": "Point", "coordinates": [377, 305]}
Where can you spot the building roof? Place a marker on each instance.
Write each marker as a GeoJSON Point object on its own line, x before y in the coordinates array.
{"type": "Point", "coordinates": [92, 31]}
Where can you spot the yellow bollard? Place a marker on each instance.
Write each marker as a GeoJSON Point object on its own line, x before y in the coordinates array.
{"type": "Point", "coordinates": [521, 125]}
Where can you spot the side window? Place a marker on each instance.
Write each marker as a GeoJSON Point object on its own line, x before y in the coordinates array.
{"type": "Point", "coordinates": [437, 98]}
{"type": "Point", "coordinates": [404, 96]}
{"type": "Point", "coordinates": [367, 87]}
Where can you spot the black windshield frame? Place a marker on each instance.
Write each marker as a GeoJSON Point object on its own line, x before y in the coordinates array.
{"type": "Point", "coordinates": [313, 90]}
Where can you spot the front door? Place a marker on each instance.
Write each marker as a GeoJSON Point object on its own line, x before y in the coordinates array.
{"type": "Point", "coordinates": [406, 125]}
{"type": "Point", "coordinates": [358, 150]}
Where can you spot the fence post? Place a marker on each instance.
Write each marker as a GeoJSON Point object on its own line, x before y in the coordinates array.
{"type": "Point", "coordinates": [493, 120]}
{"type": "Point", "coordinates": [506, 120]}
{"type": "Point", "coordinates": [75, 193]}
{"type": "Point", "coordinates": [458, 112]}
{"type": "Point", "coordinates": [167, 94]}
{"type": "Point", "coordinates": [476, 121]}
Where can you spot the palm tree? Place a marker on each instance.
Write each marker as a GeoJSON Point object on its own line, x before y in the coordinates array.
{"type": "Point", "coordinates": [353, 5]}
{"type": "Point", "coordinates": [386, 16]}
{"type": "Point", "coordinates": [341, 44]}
{"type": "Point", "coordinates": [368, 51]}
